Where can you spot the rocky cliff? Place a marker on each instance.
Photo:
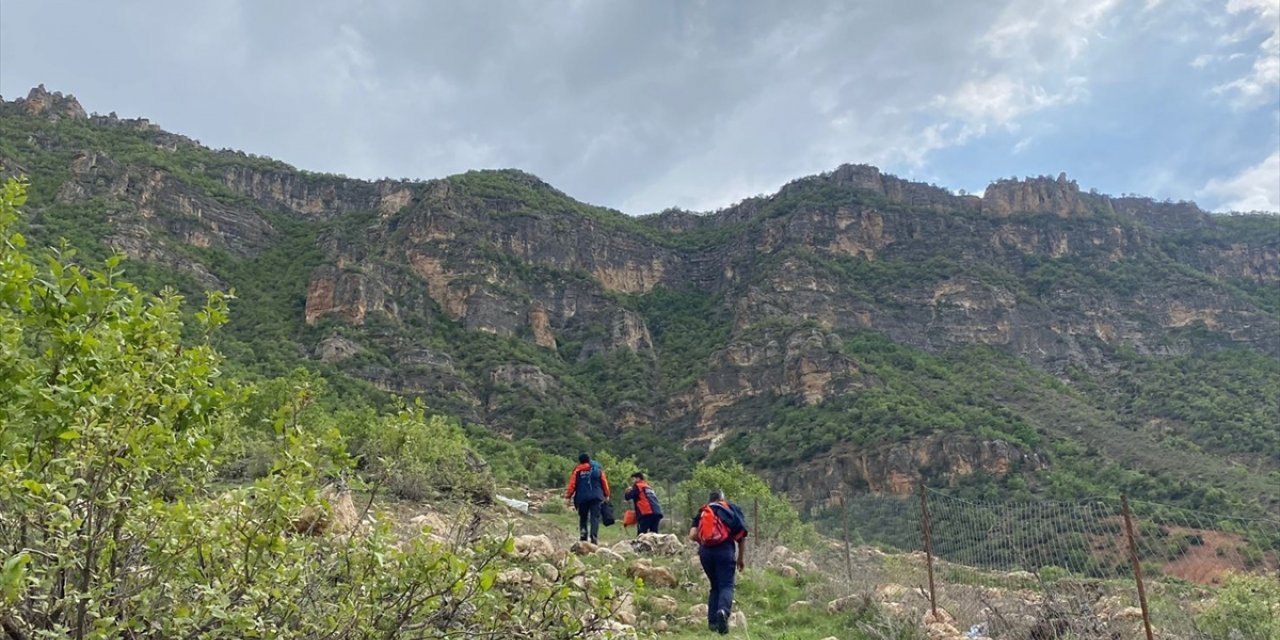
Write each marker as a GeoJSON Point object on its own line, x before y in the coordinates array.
{"type": "Point", "coordinates": [682, 335]}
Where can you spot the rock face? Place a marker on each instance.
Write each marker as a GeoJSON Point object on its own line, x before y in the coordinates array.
{"type": "Point", "coordinates": [51, 106]}
{"type": "Point", "coordinates": [897, 468]}
{"type": "Point", "coordinates": [1060, 197]}
{"type": "Point", "coordinates": [497, 298]}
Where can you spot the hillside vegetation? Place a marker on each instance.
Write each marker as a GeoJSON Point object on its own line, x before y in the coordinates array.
{"type": "Point", "coordinates": [853, 320]}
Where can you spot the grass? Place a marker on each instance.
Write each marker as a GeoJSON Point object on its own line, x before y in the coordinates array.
{"type": "Point", "coordinates": [763, 594]}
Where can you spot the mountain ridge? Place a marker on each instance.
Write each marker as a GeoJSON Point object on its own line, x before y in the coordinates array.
{"type": "Point", "coordinates": [853, 331]}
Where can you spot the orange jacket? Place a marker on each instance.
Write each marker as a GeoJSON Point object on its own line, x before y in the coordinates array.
{"type": "Point", "coordinates": [640, 495]}
{"type": "Point", "coordinates": [583, 471]}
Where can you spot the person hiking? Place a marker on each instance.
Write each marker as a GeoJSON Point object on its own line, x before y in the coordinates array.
{"type": "Point", "coordinates": [588, 487]}
{"type": "Point", "coordinates": [648, 511]}
{"type": "Point", "coordinates": [719, 527]}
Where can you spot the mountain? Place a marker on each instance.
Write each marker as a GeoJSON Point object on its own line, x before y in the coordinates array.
{"type": "Point", "coordinates": [853, 332]}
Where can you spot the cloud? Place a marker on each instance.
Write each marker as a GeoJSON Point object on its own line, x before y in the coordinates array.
{"type": "Point", "coordinates": [643, 106]}
{"type": "Point", "coordinates": [1256, 188]}
{"type": "Point", "coordinates": [1258, 87]}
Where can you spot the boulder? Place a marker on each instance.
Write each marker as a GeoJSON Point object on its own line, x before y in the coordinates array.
{"type": "Point", "coordinates": [335, 514]}
{"type": "Point", "coordinates": [891, 592]}
{"type": "Point", "coordinates": [856, 602]}
{"type": "Point", "coordinates": [582, 548]}
{"type": "Point", "coordinates": [664, 604]}
{"type": "Point", "coordinates": [942, 617]}
{"type": "Point", "coordinates": [548, 571]}
{"type": "Point", "coordinates": [652, 576]}
{"type": "Point", "coordinates": [786, 571]}
{"type": "Point", "coordinates": [657, 544]}
{"type": "Point", "coordinates": [513, 577]}
{"type": "Point", "coordinates": [537, 547]}
{"type": "Point", "coordinates": [1128, 613]}
{"type": "Point", "coordinates": [609, 555]}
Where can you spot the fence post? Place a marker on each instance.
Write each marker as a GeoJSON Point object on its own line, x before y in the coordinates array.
{"type": "Point", "coordinates": [848, 560]}
{"type": "Point", "coordinates": [755, 524]}
{"type": "Point", "coordinates": [928, 549]}
{"type": "Point", "coordinates": [1137, 566]}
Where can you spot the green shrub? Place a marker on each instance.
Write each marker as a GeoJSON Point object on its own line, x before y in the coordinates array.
{"type": "Point", "coordinates": [111, 522]}
{"type": "Point", "coordinates": [419, 457]}
{"type": "Point", "coordinates": [1247, 606]}
{"type": "Point", "coordinates": [778, 520]}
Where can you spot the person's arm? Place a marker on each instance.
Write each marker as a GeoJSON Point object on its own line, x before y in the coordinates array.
{"type": "Point", "coordinates": [630, 494]}
{"type": "Point", "coordinates": [742, 554]}
{"type": "Point", "coordinates": [573, 483]}
{"type": "Point", "coordinates": [604, 482]}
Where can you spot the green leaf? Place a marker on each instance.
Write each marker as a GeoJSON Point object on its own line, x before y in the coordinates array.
{"type": "Point", "coordinates": [69, 434]}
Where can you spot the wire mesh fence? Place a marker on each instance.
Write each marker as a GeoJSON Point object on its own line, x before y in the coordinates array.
{"type": "Point", "coordinates": [1043, 569]}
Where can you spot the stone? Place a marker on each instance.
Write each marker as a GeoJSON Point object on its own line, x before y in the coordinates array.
{"type": "Point", "coordinates": [336, 514]}
{"type": "Point", "coordinates": [534, 547]}
{"type": "Point", "coordinates": [1128, 613]}
{"type": "Point", "coordinates": [799, 606]}
{"type": "Point", "coordinates": [664, 604]}
{"type": "Point", "coordinates": [738, 620]}
{"type": "Point", "coordinates": [548, 571]}
{"type": "Point", "coordinates": [786, 571]}
{"type": "Point", "coordinates": [609, 555]}
{"type": "Point", "coordinates": [582, 548]}
{"type": "Point", "coordinates": [942, 617]}
{"type": "Point", "coordinates": [855, 602]}
{"type": "Point", "coordinates": [891, 592]}
{"type": "Point", "coordinates": [651, 575]}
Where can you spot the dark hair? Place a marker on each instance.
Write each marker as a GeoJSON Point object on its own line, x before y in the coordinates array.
{"type": "Point", "coordinates": [716, 496]}
{"type": "Point", "coordinates": [584, 458]}
{"type": "Point", "coordinates": [638, 475]}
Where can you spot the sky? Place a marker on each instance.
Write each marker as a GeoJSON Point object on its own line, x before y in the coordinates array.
{"type": "Point", "coordinates": [647, 105]}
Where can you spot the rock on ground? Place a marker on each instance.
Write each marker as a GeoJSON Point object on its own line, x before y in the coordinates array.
{"type": "Point", "coordinates": [537, 547]}
{"type": "Point", "coordinates": [652, 576]}
{"type": "Point", "coordinates": [339, 516]}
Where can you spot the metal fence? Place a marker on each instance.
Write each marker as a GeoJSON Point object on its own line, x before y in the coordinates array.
{"type": "Point", "coordinates": [1098, 568]}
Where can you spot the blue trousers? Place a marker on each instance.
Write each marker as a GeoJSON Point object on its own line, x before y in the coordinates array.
{"type": "Point", "coordinates": [588, 511]}
{"type": "Point", "coordinates": [720, 563]}
{"type": "Point", "coordinates": [648, 524]}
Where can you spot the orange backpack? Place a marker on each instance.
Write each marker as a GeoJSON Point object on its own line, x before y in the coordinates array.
{"type": "Point", "coordinates": [712, 531]}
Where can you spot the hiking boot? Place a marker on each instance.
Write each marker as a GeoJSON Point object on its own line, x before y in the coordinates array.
{"type": "Point", "coordinates": [594, 541]}
{"type": "Point", "coordinates": [721, 621]}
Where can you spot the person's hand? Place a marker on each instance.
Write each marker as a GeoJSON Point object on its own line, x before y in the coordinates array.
{"type": "Point", "coordinates": [742, 565]}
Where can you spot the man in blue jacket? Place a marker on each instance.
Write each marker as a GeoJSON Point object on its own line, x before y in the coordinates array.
{"type": "Point", "coordinates": [588, 488]}
{"type": "Point", "coordinates": [718, 528]}
{"type": "Point", "coordinates": [648, 511]}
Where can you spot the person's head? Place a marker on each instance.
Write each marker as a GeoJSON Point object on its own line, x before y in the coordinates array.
{"type": "Point", "coordinates": [584, 458]}
{"type": "Point", "coordinates": [716, 496]}
{"type": "Point", "coordinates": [637, 477]}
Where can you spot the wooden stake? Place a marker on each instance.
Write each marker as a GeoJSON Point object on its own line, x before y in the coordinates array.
{"type": "Point", "coordinates": [1137, 566]}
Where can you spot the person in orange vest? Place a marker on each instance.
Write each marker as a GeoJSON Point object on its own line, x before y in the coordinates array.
{"type": "Point", "coordinates": [588, 488]}
{"type": "Point", "coordinates": [648, 511]}
{"type": "Point", "coordinates": [718, 527]}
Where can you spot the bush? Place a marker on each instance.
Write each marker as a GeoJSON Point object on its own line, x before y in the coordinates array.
{"type": "Point", "coordinates": [1247, 606]}
{"type": "Point", "coordinates": [419, 457]}
{"type": "Point", "coordinates": [112, 525]}
{"type": "Point", "coordinates": [779, 521]}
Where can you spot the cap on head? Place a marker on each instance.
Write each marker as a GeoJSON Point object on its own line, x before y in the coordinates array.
{"type": "Point", "coordinates": [584, 458]}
